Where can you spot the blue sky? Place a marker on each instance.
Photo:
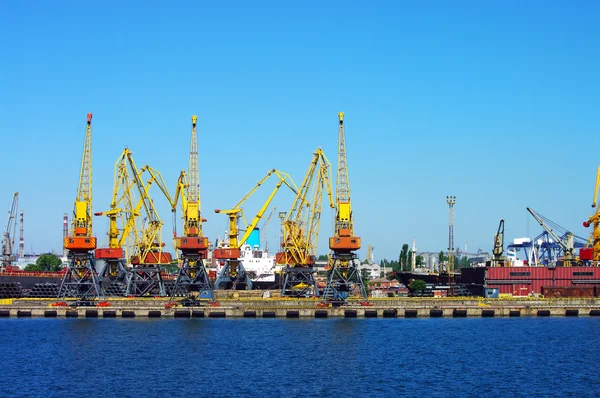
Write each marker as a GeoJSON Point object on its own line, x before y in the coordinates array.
{"type": "Point", "coordinates": [494, 102]}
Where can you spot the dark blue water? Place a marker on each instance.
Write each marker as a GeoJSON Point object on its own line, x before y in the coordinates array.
{"type": "Point", "coordinates": [308, 358]}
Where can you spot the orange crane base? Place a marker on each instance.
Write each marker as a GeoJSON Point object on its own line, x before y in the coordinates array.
{"type": "Point", "coordinates": [153, 258]}
{"type": "Point", "coordinates": [107, 253]}
{"type": "Point", "coordinates": [344, 243]}
{"type": "Point", "coordinates": [80, 243]}
{"type": "Point", "coordinates": [192, 243]}
{"type": "Point", "coordinates": [227, 254]}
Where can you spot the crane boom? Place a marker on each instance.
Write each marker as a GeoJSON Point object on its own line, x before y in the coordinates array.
{"type": "Point", "coordinates": [301, 225]}
{"type": "Point", "coordinates": [8, 240]}
{"type": "Point", "coordinates": [236, 210]}
{"type": "Point", "coordinates": [499, 241]}
{"type": "Point", "coordinates": [567, 247]}
{"type": "Point", "coordinates": [194, 175]}
{"type": "Point", "coordinates": [233, 270]}
{"type": "Point", "coordinates": [82, 222]}
{"type": "Point", "coordinates": [344, 239]}
{"type": "Point", "coordinates": [80, 239]}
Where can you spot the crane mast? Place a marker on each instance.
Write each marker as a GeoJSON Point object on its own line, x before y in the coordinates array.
{"type": "Point", "coordinates": [81, 278]}
{"type": "Point", "coordinates": [594, 220]}
{"type": "Point", "coordinates": [233, 271]}
{"type": "Point", "coordinates": [301, 230]}
{"type": "Point", "coordinates": [192, 247]}
{"type": "Point", "coordinates": [8, 240]}
{"type": "Point", "coordinates": [344, 277]}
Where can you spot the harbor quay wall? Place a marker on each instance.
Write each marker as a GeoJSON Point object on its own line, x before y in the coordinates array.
{"type": "Point", "coordinates": [303, 308]}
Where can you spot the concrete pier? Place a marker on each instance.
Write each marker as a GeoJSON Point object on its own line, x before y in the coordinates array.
{"type": "Point", "coordinates": [304, 308]}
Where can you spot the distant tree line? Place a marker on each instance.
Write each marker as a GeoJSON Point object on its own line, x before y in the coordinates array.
{"type": "Point", "coordinates": [45, 263]}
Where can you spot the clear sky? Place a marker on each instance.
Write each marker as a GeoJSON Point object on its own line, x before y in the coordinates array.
{"type": "Point", "coordinates": [495, 102]}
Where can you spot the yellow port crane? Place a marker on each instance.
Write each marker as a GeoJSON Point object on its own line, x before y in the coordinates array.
{"type": "Point", "coordinates": [344, 277]}
{"type": "Point", "coordinates": [192, 246]}
{"type": "Point", "coordinates": [301, 230]}
{"type": "Point", "coordinates": [137, 242]}
{"type": "Point", "coordinates": [233, 271]}
{"type": "Point", "coordinates": [81, 279]}
{"type": "Point", "coordinates": [8, 239]}
{"type": "Point", "coordinates": [592, 249]}
{"type": "Point", "coordinates": [148, 253]}
{"type": "Point", "coordinates": [120, 239]}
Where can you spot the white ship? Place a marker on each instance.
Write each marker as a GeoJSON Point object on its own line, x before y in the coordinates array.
{"type": "Point", "coordinates": [260, 267]}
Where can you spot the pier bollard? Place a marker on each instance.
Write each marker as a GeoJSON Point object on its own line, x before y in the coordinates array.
{"type": "Point", "coordinates": [50, 314]}
{"type": "Point", "coordinates": [487, 313]}
{"type": "Point", "coordinates": [182, 314]}
{"type": "Point", "coordinates": [268, 314]}
{"type": "Point", "coordinates": [543, 313]}
{"type": "Point", "coordinates": [72, 314]}
{"type": "Point", "coordinates": [436, 313]}
{"type": "Point", "coordinates": [321, 314]}
{"type": "Point", "coordinates": [350, 313]}
{"type": "Point", "coordinates": [249, 314]}
{"type": "Point", "coordinates": [109, 314]}
{"type": "Point", "coordinates": [370, 313]}
{"type": "Point", "coordinates": [514, 313]}
{"type": "Point", "coordinates": [155, 314]}
{"type": "Point", "coordinates": [390, 313]}
{"type": "Point", "coordinates": [572, 313]}
{"type": "Point", "coordinates": [410, 313]}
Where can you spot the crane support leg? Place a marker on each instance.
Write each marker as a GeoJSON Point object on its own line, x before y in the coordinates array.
{"type": "Point", "coordinates": [233, 275]}
{"type": "Point", "coordinates": [81, 279]}
{"type": "Point", "coordinates": [344, 279]}
{"type": "Point", "coordinates": [192, 277]}
{"type": "Point", "coordinates": [299, 282]}
{"type": "Point", "coordinates": [113, 276]}
{"type": "Point", "coordinates": [145, 280]}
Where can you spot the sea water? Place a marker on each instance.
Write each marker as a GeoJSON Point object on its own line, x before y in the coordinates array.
{"type": "Point", "coordinates": [472, 357]}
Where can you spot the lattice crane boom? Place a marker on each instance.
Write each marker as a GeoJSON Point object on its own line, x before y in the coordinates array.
{"type": "Point", "coordinates": [8, 240]}
{"type": "Point", "coordinates": [567, 245]}
{"type": "Point", "coordinates": [344, 239]}
{"type": "Point", "coordinates": [81, 278]}
{"type": "Point", "coordinates": [194, 175]}
{"type": "Point", "coordinates": [80, 238]}
{"type": "Point", "coordinates": [301, 224]}
{"type": "Point", "coordinates": [344, 276]}
{"type": "Point", "coordinates": [235, 212]}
